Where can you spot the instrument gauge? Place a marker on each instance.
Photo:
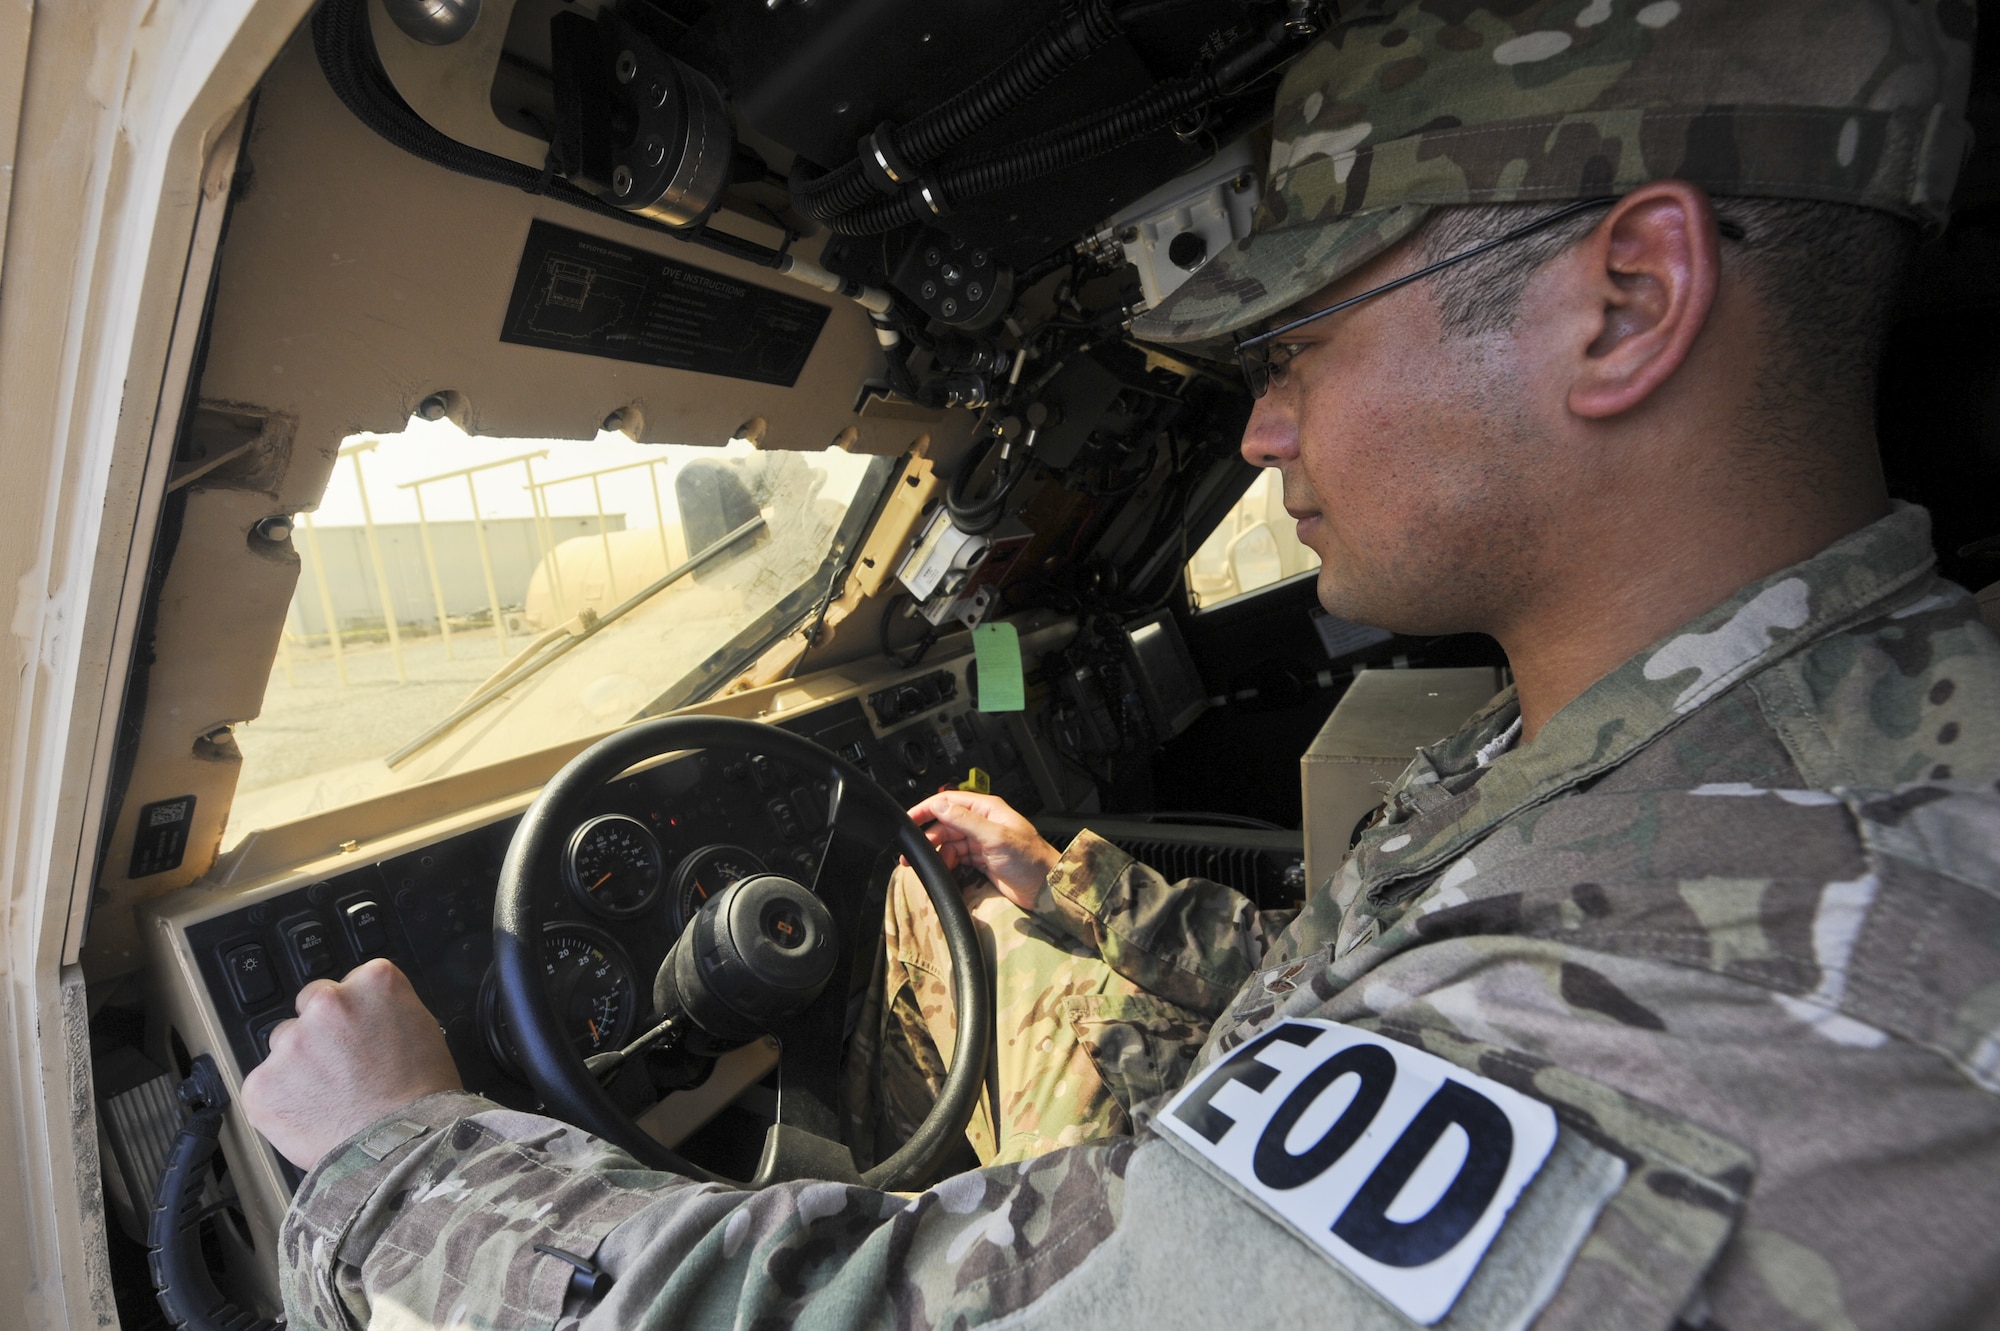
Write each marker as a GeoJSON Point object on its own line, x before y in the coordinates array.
{"type": "Point", "coordinates": [707, 872]}
{"type": "Point", "coordinates": [614, 866]}
{"type": "Point", "coordinates": [590, 984]}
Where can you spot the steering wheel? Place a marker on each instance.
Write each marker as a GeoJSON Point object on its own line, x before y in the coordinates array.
{"type": "Point", "coordinates": [766, 956]}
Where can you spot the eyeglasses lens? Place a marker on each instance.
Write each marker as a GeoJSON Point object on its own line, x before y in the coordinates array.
{"type": "Point", "coordinates": [1255, 362]}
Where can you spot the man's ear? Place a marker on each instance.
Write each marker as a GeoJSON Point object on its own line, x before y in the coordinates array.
{"type": "Point", "coordinates": [1655, 264]}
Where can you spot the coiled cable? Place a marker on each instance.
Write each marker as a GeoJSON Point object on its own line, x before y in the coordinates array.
{"type": "Point", "coordinates": [929, 197]}
{"type": "Point", "coordinates": [929, 136]}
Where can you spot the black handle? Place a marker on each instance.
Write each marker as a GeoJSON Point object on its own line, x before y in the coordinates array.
{"type": "Point", "coordinates": [187, 1295]}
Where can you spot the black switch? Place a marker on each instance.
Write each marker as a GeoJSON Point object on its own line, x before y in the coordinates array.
{"type": "Point", "coordinates": [312, 949]}
{"type": "Point", "coordinates": [366, 928]}
{"type": "Point", "coordinates": [760, 768]}
{"type": "Point", "coordinates": [787, 821]}
{"type": "Point", "coordinates": [260, 1033]}
{"type": "Point", "coordinates": [249, 970]}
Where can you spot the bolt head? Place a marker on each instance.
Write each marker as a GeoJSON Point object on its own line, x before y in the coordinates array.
{"type": "Point", "coordinates": [975, 292]}
{"type": "Point", "coordinates": [621, 181]}
{"type": "Point", "coordinates": [655, 152]}
{"type": "Point", "coordinates": [627, 67]}
{"type": "Point", "coordinates": [949, 308]}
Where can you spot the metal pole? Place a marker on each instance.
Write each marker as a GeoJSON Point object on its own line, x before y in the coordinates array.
{"type": "Point", "coordinates": [326, 602]}
{"type": "Point", "coordinates": [604, 537]}
{"type": "Point", "coordinates": [437, 582]}
{"type": "Point", "coordinates": [285, 643]}
{"type": "Point", "coordinates": [479, 530]}
{"type": "Point", "coordinates": [354, 452]}
{"type": "Point", "coordinates": [486, 567]}
{"type": "Point", "coordinates": [659, 516]}
{"type": "Point", "coordinates": [545, 540]}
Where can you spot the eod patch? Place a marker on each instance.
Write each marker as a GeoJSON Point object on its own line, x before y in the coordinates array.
{"type": "Point", "coordinates": [1397, 1164]}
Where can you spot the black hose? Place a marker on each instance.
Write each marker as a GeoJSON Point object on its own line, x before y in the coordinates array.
{"type": "Point", "coordinates": [920, 648]}
{"type": "Point", "coordinates": [346, 52]}
{"type": "Point", "coordinates": [187, 1293]}
{"type": "Point", "coordinates": [976, 517]}
{"type": "Point", "coordinates": [955, 502]}
{"type": "Point", "coordinates": [929, 136]}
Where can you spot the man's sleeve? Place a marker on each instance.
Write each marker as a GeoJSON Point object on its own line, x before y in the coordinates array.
{"type": "Point", "coordinates": [1194, 942]}
{"type": "Point", "coordinates": [451, 1213]}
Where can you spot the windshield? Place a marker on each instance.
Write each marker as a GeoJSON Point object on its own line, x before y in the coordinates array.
{"type": "Point", "coordinates": [464, 600]}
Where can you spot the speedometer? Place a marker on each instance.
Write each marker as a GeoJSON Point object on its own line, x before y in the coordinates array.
{"type": "Point", "coordinates": [614, 865]}
{"type": "Point", "coordinates": [707, 872]}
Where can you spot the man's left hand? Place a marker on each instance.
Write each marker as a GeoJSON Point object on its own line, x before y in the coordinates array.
{"type": "Point", "coordinates": [359, 1050]}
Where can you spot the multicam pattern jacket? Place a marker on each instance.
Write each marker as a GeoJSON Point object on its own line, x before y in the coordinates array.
{"type": "Point", "coordinates": [1734, 915]}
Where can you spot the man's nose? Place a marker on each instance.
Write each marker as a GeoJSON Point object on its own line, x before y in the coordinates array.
{"type": "Point", "coordinates": [1272, 436]}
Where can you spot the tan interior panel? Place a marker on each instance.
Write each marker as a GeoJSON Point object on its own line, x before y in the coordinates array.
{"type": "Point", "coordinates": [355, 281]}
{"type": "Point", "coordinates": [1367, 742]}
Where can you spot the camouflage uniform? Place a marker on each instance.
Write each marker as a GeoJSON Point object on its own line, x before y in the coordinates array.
{"type": "Point", "coordinates": [1077, 1044]}
{"type": "Point", "coordinates": [1734, 914]}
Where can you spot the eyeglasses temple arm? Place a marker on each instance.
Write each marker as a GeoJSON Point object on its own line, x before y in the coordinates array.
{"type": "Point", "coordinates": [1407, 278]}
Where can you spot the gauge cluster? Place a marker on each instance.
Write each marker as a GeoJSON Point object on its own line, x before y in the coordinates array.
{"type": "Point", "coordinates": [659, 843]}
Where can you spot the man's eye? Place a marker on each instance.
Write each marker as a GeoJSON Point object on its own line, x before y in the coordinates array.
{"type": "Point", "coordinates": [1284, 351]}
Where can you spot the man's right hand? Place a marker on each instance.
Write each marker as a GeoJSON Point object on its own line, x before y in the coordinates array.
{"type": "Point", "coordinates": [985, 832]}
{"type": "Point", "coordinates": [359, 1050]}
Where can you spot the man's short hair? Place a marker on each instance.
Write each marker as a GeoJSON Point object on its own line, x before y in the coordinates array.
{"type": "Point", "coordinates": [1826, 273]}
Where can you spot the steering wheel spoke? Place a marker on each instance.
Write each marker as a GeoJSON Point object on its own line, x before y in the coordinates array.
{"type": "Point", "coordinates": [809, 1095]}
{"type": "Point", "coordinates": [858, 833]}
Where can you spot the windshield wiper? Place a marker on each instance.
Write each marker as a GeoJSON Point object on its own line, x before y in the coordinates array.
{"type": "Point", "coordinates": [551, 646]}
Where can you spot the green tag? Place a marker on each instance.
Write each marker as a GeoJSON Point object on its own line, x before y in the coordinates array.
{"type": "Point", "coordinates": [998, 650]}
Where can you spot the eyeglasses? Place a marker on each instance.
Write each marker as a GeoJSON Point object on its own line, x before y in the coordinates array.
{"type": "Point", "coordinates": [1262, 358]}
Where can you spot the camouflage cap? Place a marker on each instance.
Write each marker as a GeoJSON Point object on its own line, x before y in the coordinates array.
{"type": "Point", "coordinates": [1404, 107]}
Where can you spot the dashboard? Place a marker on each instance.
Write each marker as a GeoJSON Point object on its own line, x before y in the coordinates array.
{"type": "Point", "coordinates": [657, 843]}
{"type": "Point", "coordinates": [655, 846]}
{"type": "Point", "coordinates": [651, 846]}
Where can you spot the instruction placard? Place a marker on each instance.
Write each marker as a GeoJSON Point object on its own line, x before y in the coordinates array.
{"type": "Point", "coordinates": [576, 292]}
{"type": "Point", "coordinates": [160, 842]}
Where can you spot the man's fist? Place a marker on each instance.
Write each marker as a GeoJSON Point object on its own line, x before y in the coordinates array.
{"type": "Point", "coordinates": [985, 832]}
{"type": "Point", "coordinates": [359, 1050]}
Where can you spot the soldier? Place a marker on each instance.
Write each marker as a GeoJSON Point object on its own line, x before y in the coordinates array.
{"type": "Point", "coordinates": [1666, 993]}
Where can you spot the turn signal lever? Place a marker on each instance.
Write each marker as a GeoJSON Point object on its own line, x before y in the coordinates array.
{"type": "Point", "coordinates": [187, 1295]}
